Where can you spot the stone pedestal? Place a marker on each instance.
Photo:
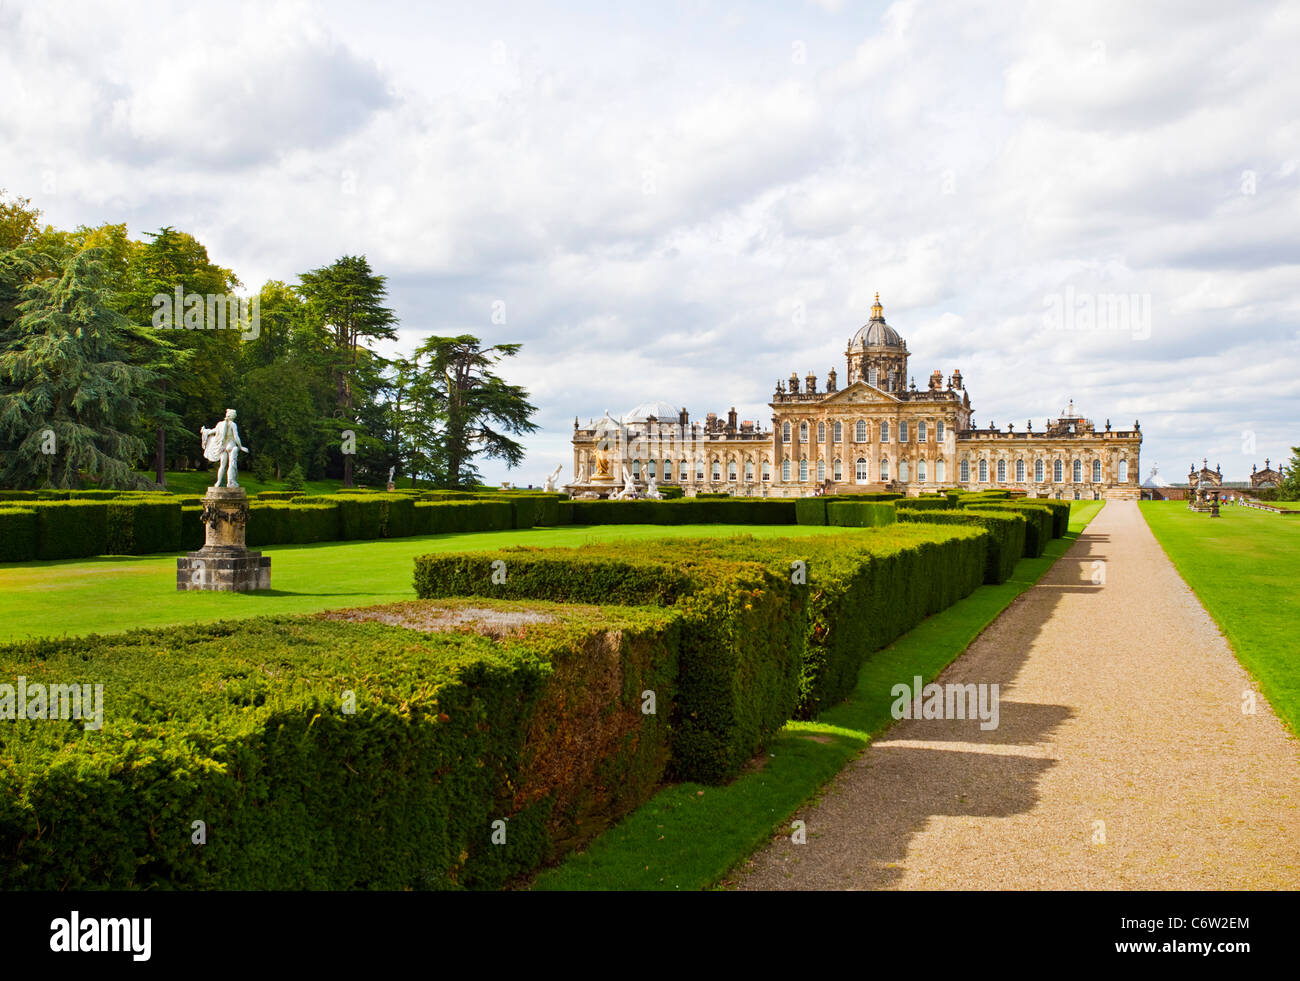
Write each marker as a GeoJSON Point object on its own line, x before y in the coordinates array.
{"type": "Point", "coordinates": [224, 563]}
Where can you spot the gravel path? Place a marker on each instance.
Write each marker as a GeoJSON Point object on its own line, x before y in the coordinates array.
{"type": "Point", "coordinates": [1122, 759]}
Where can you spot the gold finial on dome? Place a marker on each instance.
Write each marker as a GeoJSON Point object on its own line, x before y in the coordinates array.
{"type": "Point", "coordinates": [877, 311]}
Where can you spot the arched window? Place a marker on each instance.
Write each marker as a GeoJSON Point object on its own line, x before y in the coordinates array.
{"type": "Point", "coordinates": [717, 470]}
{"type": "Point", "coordinates": [749, 470]}
{"type": "Point", "coordinates": [668, 470]}
{"type": "Point", "coordinates": [872, 377]}
{"type": "Point", "coordinates": [650, 469]}
{"type": "Point", "coordinates": [699, 469]}
{"type": "Point", "coordinates": [984, 471]}
{"type": "Point", "coordinates": [837, 432]}
{"type": "Point", "coordinates": [785, 470]}
{"type": "Point", "coordinates": [1058, 471]}
{"type": "Point", "coordinates": [860, 431]}
{"type": "Point", "coordinates": [1020, 471]}
{"type": "Point", "coordinates": [938, 431]}
{"type": "Point", "coordinates": [1096, 471]}
{"type": "Point", "coordinates": [884, 432]}
{"type": "Point", "coordinates": [803, 432]}
{"type": "Point", "coordinates": [903, 471]}
{"type": "Point", "coordinates": [803, 470]}
{"type": "Point", "coordinates": [1123, 471]}
{"type": "Point", "coordinates": [860, 471]}
{"type": "Point", "coordinates": [1038, 471]}
{"type": "Point", "coordinates": [1002, 471]}
{"type": "Point", "coordinates": [965, 471]}
{"type": "Point", "coordinates": [940, 471]}
{"type": "Point", "coordinates": [821, 432]}
{"type": "Point", "coordinates": [821, 471]}
{"type": "Point", "coordinates": [731, 470]}
{"type": "Point", "coordinates": [902, 432]}
{"type": "Point", "coordinates": [837, 469]}
{"type": "Point", "coordinates": [1076, 472]}
{"type": "Point", "coordinates": [767, 470]}
{"type": "Point", "coordinates": [785, 432]}
{"type": "Point", "coordinates": [921, 471]}
{"type": "Point", "coordinates": [636, 468]}
{"type": "Point", "coordinates": [884, 468]}
{"type": "Point", "coordinates": [920, 431]}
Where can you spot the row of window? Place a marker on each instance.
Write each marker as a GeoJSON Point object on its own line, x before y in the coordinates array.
{"type": "Point", "coordinates": [1058, 471]}
{"type": "Point", "coordinates": [861, 432]}
{"type": "Point", "coordinates": [861, 470]}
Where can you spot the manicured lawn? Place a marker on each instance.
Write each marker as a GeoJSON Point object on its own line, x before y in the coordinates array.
{"type": "Point", "coordinates": [115, 593]}
{"type": "Point", "coordinates": [1245, 569]}
{"type": "Point", "coordinates": [689, 836]}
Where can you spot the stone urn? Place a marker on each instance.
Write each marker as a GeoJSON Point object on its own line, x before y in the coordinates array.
{"type": "Point", "coordinates": [224, 563]}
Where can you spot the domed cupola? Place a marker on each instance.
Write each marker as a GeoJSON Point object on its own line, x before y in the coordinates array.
{"type": "Point", "coordinates": [877, 354]}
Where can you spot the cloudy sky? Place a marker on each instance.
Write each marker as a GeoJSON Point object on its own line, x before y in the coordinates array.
{"type": "Point", "coordinates": [688, 201]}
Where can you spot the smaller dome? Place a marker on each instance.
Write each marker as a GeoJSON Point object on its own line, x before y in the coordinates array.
{"type": "Point", "coordinates": [1155, 480]}
{"type": "Point", "coordinates": [661, 410]}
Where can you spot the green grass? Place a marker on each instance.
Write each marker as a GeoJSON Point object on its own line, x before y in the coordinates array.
{"type": "Point", "coordinates": [1244, 567]}
{"type": "Point", "coordinates": [114, 593]}
{"type": "Point", "coordinates": [690, 836]}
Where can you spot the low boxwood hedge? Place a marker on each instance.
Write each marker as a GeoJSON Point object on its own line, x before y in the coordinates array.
{"type": "Point", "coordinates": [317, 759]}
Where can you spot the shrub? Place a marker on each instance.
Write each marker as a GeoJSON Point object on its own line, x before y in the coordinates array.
{"type": "Point", "coordinates": [531, 509]}
{"type": "Point", "coordinates": [71, 529]}
{"type": "Point", "coordinates": [742, 634]}
{"type": "Point", "coordinates": [143, 526]}
{"type": "Point", "coordinates": [244, 725]}
{"type": "Point", "coordinates": [687, 511]}
{"type": "Point", "coordinates": [296, 479]}
{"type": "Point", "coordinates": [810, 510]}
{"type": "Point", "coordinates": [1007, 530]}
{"type": "Point", "coordinates": [1038, 531]}
{"type": "Point", "coordinates": [922, 504]}
{"type": "Point", "coordinates": [18, 534]}
{"type": "Point", "coordinates": [193, 532]}
{"type": "Point", "coordinates": [864, 591]}
{"type": "Point", "coordinates": [460, 517]}
{"type": "Point", "coordinates": [860, 514]}
{"type": "Point", "coordinates": [285, 495]}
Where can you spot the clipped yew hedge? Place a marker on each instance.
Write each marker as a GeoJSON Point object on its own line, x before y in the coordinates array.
{"type": "Point", "coordinates": [141, 526]}
{"type": "Point", "coordinates": [860, 514]}
{"type": "Point", "coordinates": [1007, 532]}
{"type": "Point", "coordinates": [742, 633]}
{"type": "Point", "coordinates": [249, 728]}
{"type": "Point", "coordinates": [1038, 530]}
{"type": "Point", "coordinates": [18, 534]}
{"type": "Point", "coordinates": [71, 529]}
{"type": "Point", "coordinates": [460, 516]}
{"type": "Point", "coordinates": [686, 511]}
{"type": "Point", "coordinates": [923, 504]}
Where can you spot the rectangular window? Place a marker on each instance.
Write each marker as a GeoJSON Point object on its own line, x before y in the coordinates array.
{"type": "Point", "coordinates": [938, 431]}
{"type": "Point", "coordinates": [920, 431]}
{"type": "Point", "coordinates": [902, 431]}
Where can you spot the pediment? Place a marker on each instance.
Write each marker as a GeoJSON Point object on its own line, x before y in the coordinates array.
{"type": "Point", "coordinates": [860, 393]}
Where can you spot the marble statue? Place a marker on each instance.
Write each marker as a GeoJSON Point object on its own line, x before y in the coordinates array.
{"type": "Point", "coordinates": [391, 471]}
{"type": "Point", "coordinates": [652, 490]}
{"type": "Point", "coordinates": [628, 493]}
{"type": "Point", "coordinates": [549, 486]}
{"type": "Point", "coordinates": [221, 445]}
{"type": "Point", "coordinates": [581, 476]}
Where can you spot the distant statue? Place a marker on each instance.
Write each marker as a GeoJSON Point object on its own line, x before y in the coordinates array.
{"type": "Point", "coordinates": [652, 489]}
{"type": "Point", "coordinates": [391, 486]}
{"type": "Point", "coordinates": [221, 446]}
{"type": "Point", "coordinates": [628, 493]}
{"type": "Point", "coordinates": [581, 475]}
{"type": "Point", "coordinates": [550, 481]}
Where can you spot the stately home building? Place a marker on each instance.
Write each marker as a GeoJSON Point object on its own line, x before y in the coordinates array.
{"type": "Point", "coordinates": [878, 432]}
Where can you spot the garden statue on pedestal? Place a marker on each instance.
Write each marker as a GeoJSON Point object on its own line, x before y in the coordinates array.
{"type": "Point", "coordinates": [221, 445]}
{"type": "Point", "coordinates": [391, 486]}
{"type": "Point", "coordinates": [652, 489]}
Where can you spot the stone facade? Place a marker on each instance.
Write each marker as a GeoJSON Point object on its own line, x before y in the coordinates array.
{"type": "Point", "coordinates": [879, 432]}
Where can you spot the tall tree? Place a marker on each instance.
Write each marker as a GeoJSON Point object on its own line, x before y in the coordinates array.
{"type": "Point", "coordinates": [18, 221]}
{"type": "Point", "coordinates": [345, 301]}
{"type": "Point", "coordinates": [196, 368]}
{"type": "Point", "coordinates": [69, 394]}
{"type": "Point", "coordinates": [1290, 490]}
{"type": "Point", "coordinates": [476, 408]}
